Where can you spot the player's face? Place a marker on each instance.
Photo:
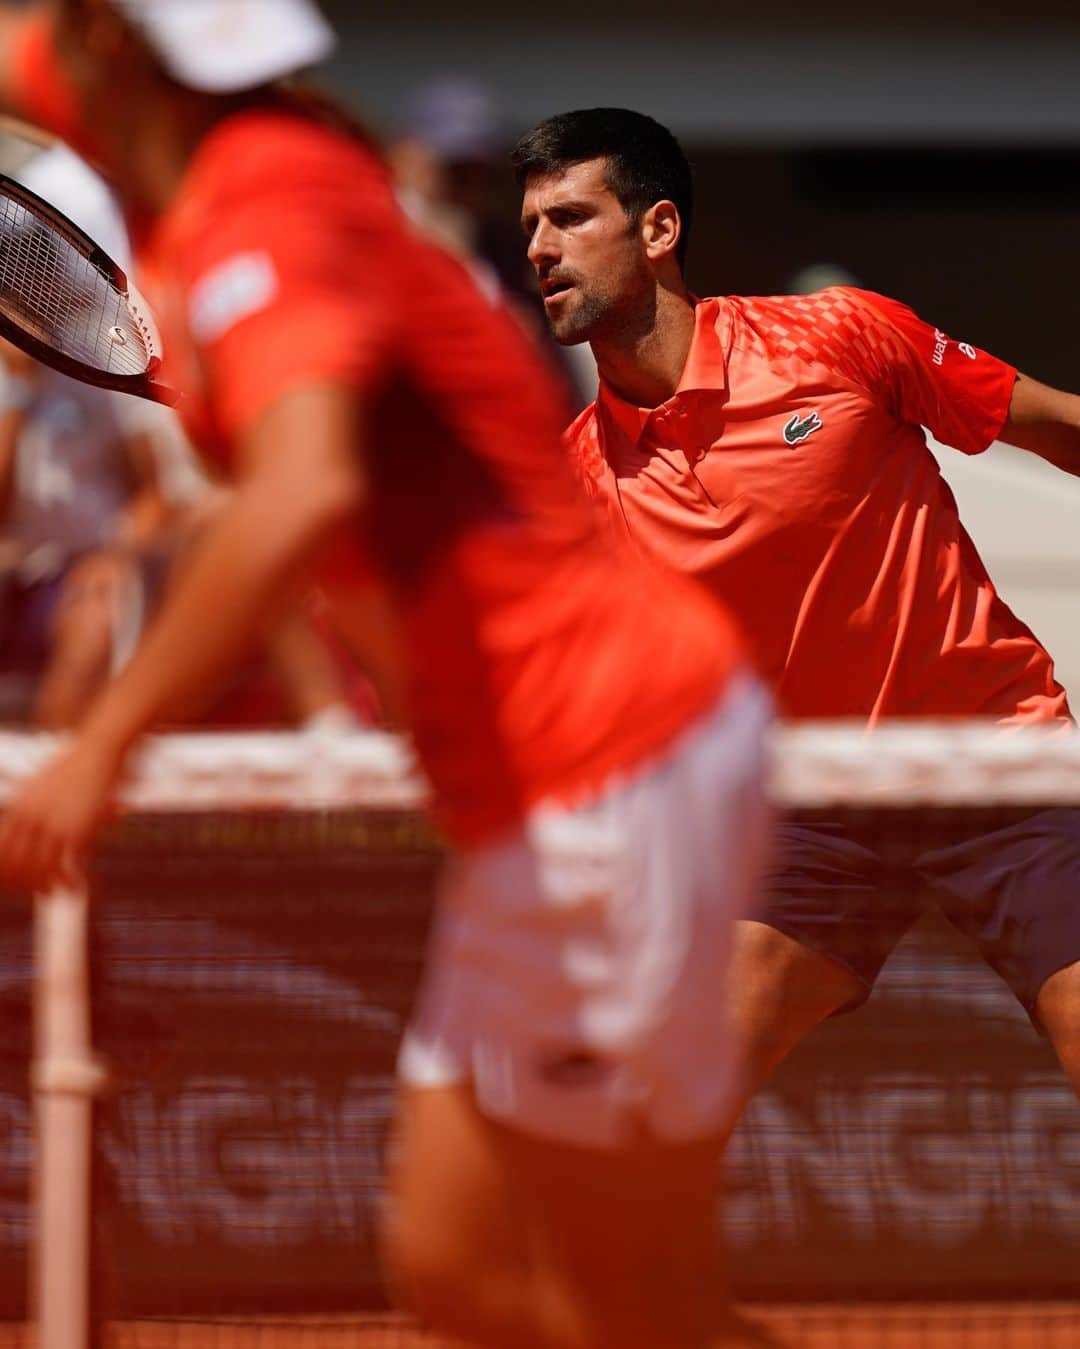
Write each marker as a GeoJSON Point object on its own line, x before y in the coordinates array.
{"type": "Point", "coordinates": [589, 256]}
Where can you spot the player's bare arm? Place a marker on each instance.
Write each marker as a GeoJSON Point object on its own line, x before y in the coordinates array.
{"type": "Point", "coordinates": [1045, 421]}
{"type": "Point", "coordinates": [301, 478]}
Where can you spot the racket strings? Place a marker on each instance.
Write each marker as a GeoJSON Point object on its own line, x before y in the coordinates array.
{"type": "Point", "coordinates": [29, 264]}
{"type": "Point", "coordinates": [49, 287]}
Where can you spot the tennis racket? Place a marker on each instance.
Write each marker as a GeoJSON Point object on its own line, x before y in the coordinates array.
{"type": "Point", "coordinates": [66, 303]}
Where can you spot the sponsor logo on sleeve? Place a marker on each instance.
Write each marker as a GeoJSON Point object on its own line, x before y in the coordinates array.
{"type": "Point", "coordinates": [941, 345]}
{"type": "Point", "coordinates": [235, 289]}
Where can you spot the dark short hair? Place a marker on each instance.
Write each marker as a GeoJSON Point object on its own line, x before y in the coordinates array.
{"type": "Point", "coordinates": [644, 162]}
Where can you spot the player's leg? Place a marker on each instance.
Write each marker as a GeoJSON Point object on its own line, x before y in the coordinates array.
{"type": "Point", "coordinates": [1014, 891]}
{"type": "Point", "coordinates": [1057, 1007]}
{"type": "Point", "coordinates": [829, 917]}
{"type": "Point", "coordinates": [511, 1242]}
{"type": "Point", "coordinates": [780, 990]}
{"type": "Point", "coordinates": [625, 1243]}
{"type": "Point", "coordinates": [573, 986]}
{"type": "Point", "coordinates": [455, 1253]}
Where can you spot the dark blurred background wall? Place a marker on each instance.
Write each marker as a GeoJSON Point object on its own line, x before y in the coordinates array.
{"type": "Point", "coordinates": [933, 153]}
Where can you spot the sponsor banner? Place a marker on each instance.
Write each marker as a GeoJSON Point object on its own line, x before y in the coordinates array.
{"type": "Point", "coordinates": [926, 1146]}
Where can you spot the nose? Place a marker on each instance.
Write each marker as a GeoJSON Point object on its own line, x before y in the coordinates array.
{"type": "Point", "coordinates": [543, 244]}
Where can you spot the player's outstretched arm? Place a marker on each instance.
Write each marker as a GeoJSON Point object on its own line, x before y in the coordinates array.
{"type": "Point", "coordinates": [302, 478]}
{"type": "Point", "coordinates": [1045, 421]}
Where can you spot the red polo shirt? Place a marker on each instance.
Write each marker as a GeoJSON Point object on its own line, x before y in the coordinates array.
{"type": "Point", "coordinates": [538, 665]}
{"type": "Point", "coordinates": [790, 473]}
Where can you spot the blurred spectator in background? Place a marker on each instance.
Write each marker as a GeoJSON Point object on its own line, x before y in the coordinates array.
{"type": "Point", "coordinates": [449, 161]}
{"type": "Point", "coordinates": [82, 517]}
{"type": "Point", "coordinates": [92, 486]}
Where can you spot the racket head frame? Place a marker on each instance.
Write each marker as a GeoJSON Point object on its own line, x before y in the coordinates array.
{"type": "Point", "coordinates": [144, 385]}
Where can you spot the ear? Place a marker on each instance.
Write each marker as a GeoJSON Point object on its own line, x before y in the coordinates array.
{"type": "Point", "coordinates": [661, 230]}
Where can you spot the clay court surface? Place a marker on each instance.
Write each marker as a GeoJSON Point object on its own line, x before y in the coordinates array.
{"type": "Point", "coordinates": [911, 1326]}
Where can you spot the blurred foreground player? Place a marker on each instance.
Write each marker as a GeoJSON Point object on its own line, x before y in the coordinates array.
{"type": "Point", "coordinates": [594, 745]}
{"type": "Point", "coordinates": [774, 449]}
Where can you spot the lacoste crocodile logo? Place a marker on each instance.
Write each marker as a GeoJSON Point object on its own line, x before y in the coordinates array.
{"type": "Point", "coordinates": [797, 430]}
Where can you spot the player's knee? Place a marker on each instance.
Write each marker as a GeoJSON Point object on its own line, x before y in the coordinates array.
{"type": "Point", "coordinates": [1058, 1008]}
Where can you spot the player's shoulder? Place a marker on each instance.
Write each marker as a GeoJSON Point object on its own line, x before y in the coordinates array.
{"type": "Point", "coordinates": [270, 160]}
{"type": "Point", "coordinates": [841, 328]}
{"type": "Point", "coordinates": [274, 204]}
{"type": "Point", "coordinates": [777, 316]}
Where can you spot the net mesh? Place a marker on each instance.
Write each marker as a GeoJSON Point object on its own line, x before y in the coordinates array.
{"type": "Point", "coordinates": [50, 289]}
{"type": "Point", "coordinates": [910, 1177]}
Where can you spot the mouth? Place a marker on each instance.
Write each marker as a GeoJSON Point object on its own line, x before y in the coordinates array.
{"type": "Point", "coordinates": [554, 290]}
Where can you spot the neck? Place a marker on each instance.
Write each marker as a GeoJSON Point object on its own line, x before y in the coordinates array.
{"type": "Point", "coordinates": [643, 363]}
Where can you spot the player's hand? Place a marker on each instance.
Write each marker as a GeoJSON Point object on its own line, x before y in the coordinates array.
{"type": "Point", "coordinates": [48, 826]}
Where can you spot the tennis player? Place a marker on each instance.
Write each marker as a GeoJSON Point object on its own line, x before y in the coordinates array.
{"type": "Point", "coordinates": [773, 448]}
{"type": "Point", "coordinates": [593, 741]}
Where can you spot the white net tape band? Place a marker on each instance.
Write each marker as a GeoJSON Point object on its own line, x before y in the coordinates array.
{"type": "Point", "coordinates": [813, 764]}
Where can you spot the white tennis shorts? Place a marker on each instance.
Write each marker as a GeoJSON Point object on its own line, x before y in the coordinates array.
{"type": "Point", "coordinates": [576, 970]}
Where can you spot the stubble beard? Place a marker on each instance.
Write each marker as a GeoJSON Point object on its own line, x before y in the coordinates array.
{"type": "Point", "coordinates": [618, 319]}
{"type": "Point", "coordinates": [587, 317]}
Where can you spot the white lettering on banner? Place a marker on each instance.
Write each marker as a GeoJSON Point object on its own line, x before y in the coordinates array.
{"type": "Point", "coordinates": [232, 290]}
{"type": "Point", "coordinates": [899, 1159]}
{"type": "Point", "coordinates": [272, 1168]}
{"type": "Point", "coordinates": [904, 1158]}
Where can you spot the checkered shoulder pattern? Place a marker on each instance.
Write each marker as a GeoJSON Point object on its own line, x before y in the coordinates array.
{"type": "Point", "coordinates": [834, 328]}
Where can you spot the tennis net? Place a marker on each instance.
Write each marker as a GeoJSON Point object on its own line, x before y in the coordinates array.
{"type": "Point", "coordinates": [911, 1177]}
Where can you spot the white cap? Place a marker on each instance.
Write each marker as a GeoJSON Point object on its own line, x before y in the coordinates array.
{"type": "Point", "coordinates": [61, 178]}
{"type": "Point", "coordinates": [227, 46]}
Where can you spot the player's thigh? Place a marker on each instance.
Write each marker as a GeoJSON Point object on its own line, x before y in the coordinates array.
{"type": "Point", "coordinates": [511, 1242]}
{"type": "Point", "coordinates": [780, 990]}
{"type": "Point", "coordinates": [453, 1248]}
{"type": "Point", "coordinates": [1015, 890]}
{"type": "Point", "coordinates": [623, 1240]}
{"type": "Point", "coordinates": [829, 915]}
